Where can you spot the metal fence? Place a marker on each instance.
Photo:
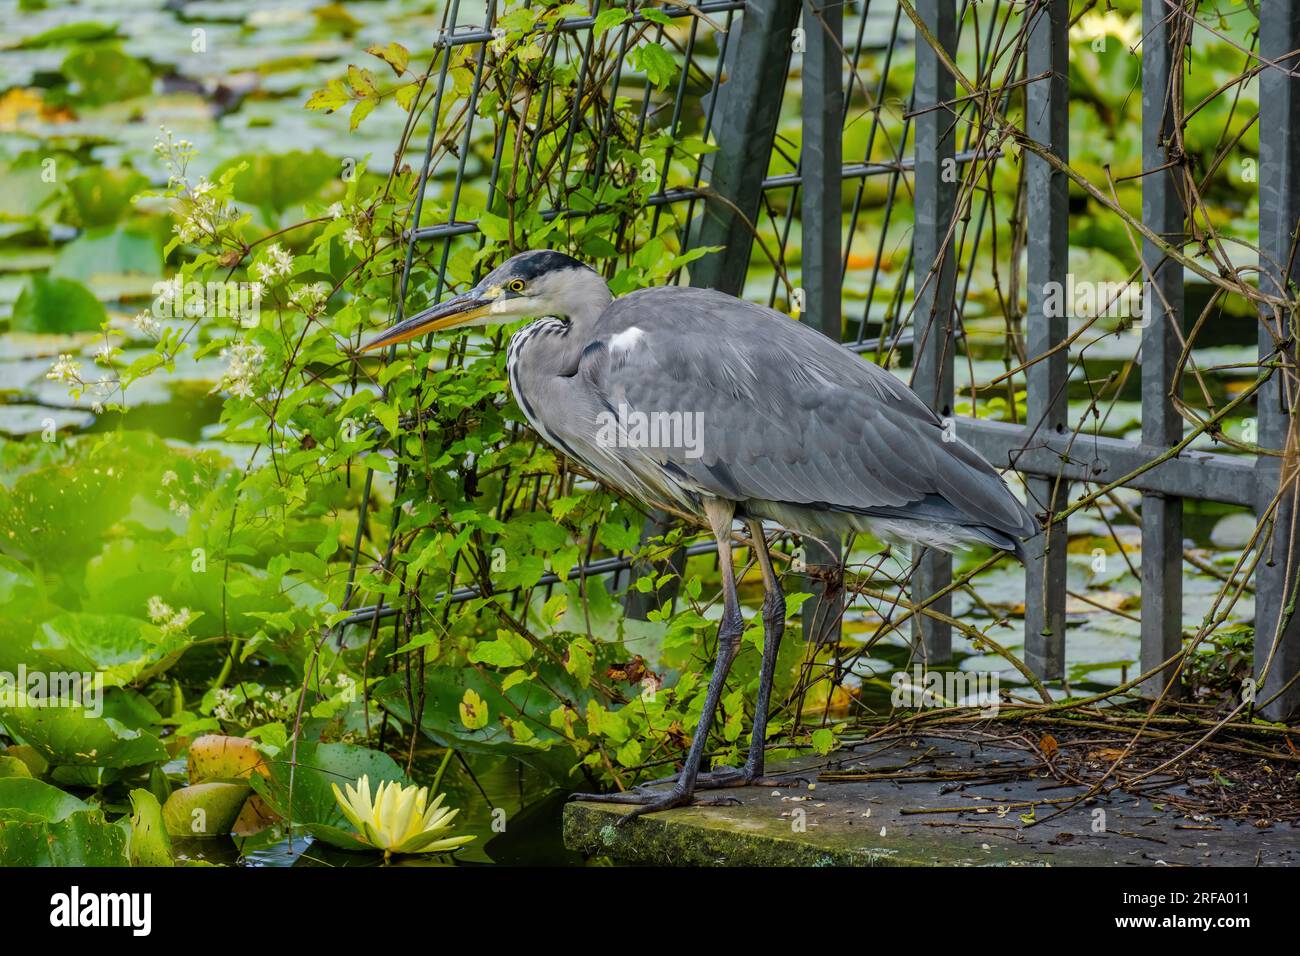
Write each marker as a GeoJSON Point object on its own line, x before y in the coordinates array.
{"type": "Point", "coordinates": [737, 61]}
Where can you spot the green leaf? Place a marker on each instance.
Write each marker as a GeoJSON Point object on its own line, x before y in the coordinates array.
{"type": "Point", "coordinates": [101, 196]}
{"type": "Point", "coordinates": [359, 112]}
{"type": "Point", "coordinates": [125, 649]}
{"type": "Point", "coordinates": [110, 251]}
{"type": "Point", "coordinates": [13, 767]}
{"type": "Point", "coordinates": [823, 740]}
{"type": "Point", "coordinates": [40, 825]}
{"type": "Point", "coordinates": [330, 98]}
{"type": "Point", "coordinates": [580, 660]}
{"type": "Point", "coordinates": [204, 809]}
{"type": "Point", "coordinates": [71, 735]}
{"type": "Point", "coordinates": [655, 62]}
{"type": "Point", "coordinates": [498, 653]}
{"type": "Point", "coordinates": [608, 19]}
{"type": "Point", "coordinates": [313, 805]}
{"type": "Point", "coordinates": [149, 844]}
{"type": "Point", "coordinates": [51, 305]}
{"type": "Point", "coordinates": [494, 227]}
{"type": "Point", "coordinates": [277, 181]}
{"type": "Point", "coordinates": [82, 31]}
{"type": "Point", "coordinates": [101, 75]}
{"type": "Point", "coordinates": [395, 55]}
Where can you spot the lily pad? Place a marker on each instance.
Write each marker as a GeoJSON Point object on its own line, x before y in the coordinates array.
{"type": "Point", "coordinates": [69, 734]}
{"type": "Point", "coordinates": [99, 75]}
{"type": "Point", "coordinates": [49, 304]}
{"type": "Point", "coordinates": [110, 251]}
{"type": "Point", "coordinates": [19, 420]}
{"type": "Point", "coordinates": [149, 844]}
{"type": "Point", "coordinates": [204, 809]}
{"type": "Point", "coordinates": [41, 825]}
{"type": "Point", "coordinates": [217, 757]}
{"type": "Point", "coordinates": [313, 805]}
{"type": "Point", "coordinates": [125, 649]}
{"type": "Point", "coordinates": [13, 767]}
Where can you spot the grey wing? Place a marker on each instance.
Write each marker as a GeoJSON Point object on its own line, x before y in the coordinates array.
{"type": "Point", "coordinates": [786, 414]}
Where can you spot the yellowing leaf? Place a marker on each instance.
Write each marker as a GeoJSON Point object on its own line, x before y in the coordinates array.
{"type": "Point", "coordinates": [473, 710]}
{"type": "Point", "coordinates": [395, 55]}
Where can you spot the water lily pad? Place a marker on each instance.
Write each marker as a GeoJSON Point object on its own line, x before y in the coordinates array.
{"type": "Point", "coordinates": [40, 825]}
{"type": "Point", "coordinates": [217, 757]}
{"type": "Point", "coordinates": [100, 196]}
{"type": "Point", "coordinates": [104, 74]}
{"type": "Point", "coordinates": [13, 767]}
{"type": "Point", "coordinates": [204, 809]}
{"type": "Point", "coordinates": [124, 649]}
{"type": "Point", "coordinates": [110, 252]}
{"type": "Point", "coordinates": [73, 735]}
{"type": "Point", "coordinates": [50, 304]}
{"type": "Point", "coordinates": [313, 805]}
{"type": "Point", "coordinates": [276, 181]}
{"type": "Point", "coordinates": [37, 419]}
{"type": "Point", "coordinates": [36, 764]}
{"type": "Point", "coordinates": [149, 844]}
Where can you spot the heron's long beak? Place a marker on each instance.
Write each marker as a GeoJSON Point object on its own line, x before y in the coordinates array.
{"type": "Point", "coordinates": [455, 311]}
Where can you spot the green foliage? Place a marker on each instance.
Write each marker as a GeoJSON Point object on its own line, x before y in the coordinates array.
{"type": "Point", "coordinates": [48, 304]}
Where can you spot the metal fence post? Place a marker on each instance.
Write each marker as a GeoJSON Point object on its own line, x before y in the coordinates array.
{"type": "Point", "coordinates": [934, 275]}
{"type": "Point", "coordinates": [1164, 210]}
{"type": "Point", "coordinates": [1047, 220]}
{"type": "Point", "coordinates": [822, 166]}
{"type": "Point", "coordinates": [1279, 214]}
{"type": "Point", "coordinates": [748, 109]}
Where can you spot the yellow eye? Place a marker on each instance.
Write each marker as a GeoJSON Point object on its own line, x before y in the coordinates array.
{"type": "Point", "coordinates": [516, 285]}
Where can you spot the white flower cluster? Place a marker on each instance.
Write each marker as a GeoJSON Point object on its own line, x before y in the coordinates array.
{"type": "Point", "coordinates": [174, 153]}
{"type": "Point", "coordinates": [65, 369]}
{"type": "Point", "coordinates": [146, 324]}
{"type": "Point", "coordinates": [245, 362]}
{"type": "Point", "coordinates": [171, 622]}
{"type": "Point", "coordinates": [278, 264]}
{"type": "Point", "coordinates": [310, 297]}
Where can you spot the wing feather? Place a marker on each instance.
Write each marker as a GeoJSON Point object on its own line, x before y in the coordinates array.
{"type": "Point", "coordinates": [788, 415]}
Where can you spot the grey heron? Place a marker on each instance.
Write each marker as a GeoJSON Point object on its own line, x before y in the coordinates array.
{"type": "Point", "coordinates": [788, 428]}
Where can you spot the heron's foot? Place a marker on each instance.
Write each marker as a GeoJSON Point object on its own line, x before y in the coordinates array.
{"type": "Point", "coordinates": [645, 800]}
{"type": "Point", "coordinates": [723, 777]}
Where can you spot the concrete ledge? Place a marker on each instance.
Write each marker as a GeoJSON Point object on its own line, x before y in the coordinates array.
{"type": "Point", "coordinates": [968, 819]}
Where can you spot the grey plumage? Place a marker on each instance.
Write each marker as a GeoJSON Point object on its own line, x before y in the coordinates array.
{"type": "Point", "coordinates": [796, 429]}
{"type": "Point", "coordinates": [705, 404]}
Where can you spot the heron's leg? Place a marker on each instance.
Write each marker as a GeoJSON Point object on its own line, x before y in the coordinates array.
{"type": "Point", "coordinates": [729, 631]}
{"type": "Point", "coordinates": [773, 630]}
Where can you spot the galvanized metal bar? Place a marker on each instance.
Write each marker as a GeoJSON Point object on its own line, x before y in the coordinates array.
{"type": "Point", "coordinates": [1277, 628]}
{"type": "Point", "coordinates": [745, 129]}
{"type": "Point", "coordinates": [1047, 220]}
{"type": "Point", "coordinates": [748, 108]}
{"type": "Point", "coordinates": [1164, 210]}
{"type": "Point", "coordinates": [934, 266]}
{"type": "Point", "coordinates": [684, 194]}
{"type": "Point", "coordinates": [821, 218]}
{"type": "Point", "coordinates": [1204, 476]}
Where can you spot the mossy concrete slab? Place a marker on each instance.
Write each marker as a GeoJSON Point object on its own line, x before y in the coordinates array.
{"type": "Point", "coordinates": [888, 822]}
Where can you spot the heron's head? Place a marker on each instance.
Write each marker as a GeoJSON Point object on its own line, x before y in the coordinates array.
{"type": "Point", "coordinates": [529, 285]}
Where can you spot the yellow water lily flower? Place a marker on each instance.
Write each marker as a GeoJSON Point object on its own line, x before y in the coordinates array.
{"type": "Point", "coordinates": [399, 819]}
